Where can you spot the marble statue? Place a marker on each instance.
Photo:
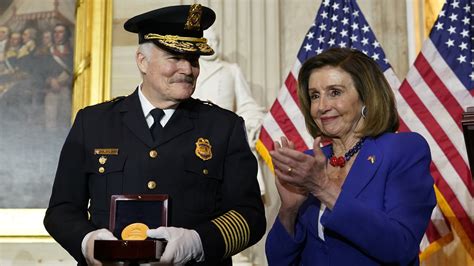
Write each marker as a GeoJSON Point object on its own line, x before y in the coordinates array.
{"type": "Point", "coordinates": [224, 84]}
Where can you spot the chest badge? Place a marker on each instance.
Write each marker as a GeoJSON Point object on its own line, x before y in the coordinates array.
{"type": "Point", "coordinates": [203, 149]}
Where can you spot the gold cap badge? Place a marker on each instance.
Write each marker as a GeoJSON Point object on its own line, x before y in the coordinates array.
{"type": "Point", "coordinates": [203, 149]}
{"type": "Point", "coordinates": [193, 22]}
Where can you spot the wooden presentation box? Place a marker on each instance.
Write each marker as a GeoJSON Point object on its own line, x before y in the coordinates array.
{"type": "Point", "coordinates": [151, 210]}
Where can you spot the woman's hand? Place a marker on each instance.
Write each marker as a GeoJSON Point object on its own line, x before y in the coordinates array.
{"type": "Point", "coordinates": [304, 173]}
{"type": "Point", "coordinates": [291, 196]}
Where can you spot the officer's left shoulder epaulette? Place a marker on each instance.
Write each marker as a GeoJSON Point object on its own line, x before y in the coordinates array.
{"type": "Point", "coordinates": [116, 99]}
{"type": "Point", "coordinates": [110, 102]}
{"type": "Point", "coordinates": [208, 102]}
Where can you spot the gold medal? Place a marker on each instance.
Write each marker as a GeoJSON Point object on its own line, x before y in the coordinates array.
{"type": "Point", "coordinates": [135, 231]}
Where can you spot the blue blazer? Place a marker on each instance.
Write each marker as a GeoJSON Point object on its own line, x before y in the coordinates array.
{"type": "Point", "coordinates": [379, 218]}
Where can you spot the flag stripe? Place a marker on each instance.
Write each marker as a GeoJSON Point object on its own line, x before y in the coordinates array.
{"type": "Point", "coordinates": [273, 130]}
{"type": "Point", "coordinates": [425, 94]}
{"type": "Point", "coordinates": [439, 221]}
{"type": "Point", "coordinates": [438, 228]}
{"type": "Point", "coordinates": [285, 123]}
{"type": "Point", "coordinates": [403, 126]}
{"type": "Point", "coordinates": [453, 202]}
{"type": "Point", "coordinates": [440, 136]}
{"type": "Point", "coordinates": [265, 138]}
{"type": "Point", "coordinates": [439, 89]}
{"type": "Point", "coordinates": [292, 88]}
{"type": "Point", "coordinates": [432, 232]}
{"type": "Point", "coordinates": [457, 89]}
{"type": "Point", "coordinates": [287, 101]}
{"type": "Point", "coordinates": [442, 164]}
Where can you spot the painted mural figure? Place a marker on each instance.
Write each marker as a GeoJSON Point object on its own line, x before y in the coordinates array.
{"type": "Point", "coordinates": [35, 96]}
{"type": "Point", "coordinates": [59, 79]}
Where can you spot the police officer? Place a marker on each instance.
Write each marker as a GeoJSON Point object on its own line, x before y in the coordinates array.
{"type": "Point", "coordinates": [159, 140]}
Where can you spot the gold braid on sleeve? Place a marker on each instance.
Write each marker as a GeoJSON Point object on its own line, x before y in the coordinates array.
{"type": "Point", "coordinates": [235, 231]}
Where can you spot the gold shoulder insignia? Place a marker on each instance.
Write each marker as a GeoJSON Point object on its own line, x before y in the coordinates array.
{"type": "Point", "coordinates": [208, 102]}
{"type": "Point", "coordinates": [118, 98]}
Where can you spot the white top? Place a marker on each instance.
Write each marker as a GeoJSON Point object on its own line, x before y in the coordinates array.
{"type": "Point", "coordinates": [322, 207]}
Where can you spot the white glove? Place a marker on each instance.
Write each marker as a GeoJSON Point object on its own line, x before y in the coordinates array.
{"type": "Point", "coordinates": [87, 245]}
{"type": "Point", "coordinates": [183, 244]}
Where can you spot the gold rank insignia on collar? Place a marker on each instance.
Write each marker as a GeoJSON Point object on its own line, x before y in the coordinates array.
{"type": "Point", "coordinates": [106, 151]}
{"type": "Point", "coordinates": [203, 149]}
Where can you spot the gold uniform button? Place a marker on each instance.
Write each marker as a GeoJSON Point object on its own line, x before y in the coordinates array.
{"type": "Point", "coordinates": [153, 154]}
{"type": "Point", "coordinates": [205, 171]}
{"type": "Point", "coordinates": [101, 169]}
{"type": "Point", "coordinates": [151, 185]}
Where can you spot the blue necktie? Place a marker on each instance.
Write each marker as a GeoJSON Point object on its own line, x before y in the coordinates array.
{"type": "Point", "coordinates": [156, 129]}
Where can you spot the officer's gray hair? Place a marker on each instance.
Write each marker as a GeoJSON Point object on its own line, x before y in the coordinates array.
{"type": "Point", "coordinates": [145, 49]}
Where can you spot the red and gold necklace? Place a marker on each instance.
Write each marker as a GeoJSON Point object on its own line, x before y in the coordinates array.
{"type": "Point", "coordinates": [341, 160]}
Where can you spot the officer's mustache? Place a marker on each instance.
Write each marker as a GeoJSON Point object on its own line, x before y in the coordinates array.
{"type": "Point", "coordinates": [183, 79]}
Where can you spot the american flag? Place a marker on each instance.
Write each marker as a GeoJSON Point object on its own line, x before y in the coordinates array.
{"type": "Point", "coordinates": [437, 90]}
{"type": "Point", "coordinates": [338, 23]}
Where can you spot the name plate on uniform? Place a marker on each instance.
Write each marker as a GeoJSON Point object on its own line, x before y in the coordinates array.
{"type": "Point", "coordinates": [130, 217]}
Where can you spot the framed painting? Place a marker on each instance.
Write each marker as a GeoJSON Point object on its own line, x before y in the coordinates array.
{"type": "Point", "coordinates": [54, 60]}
